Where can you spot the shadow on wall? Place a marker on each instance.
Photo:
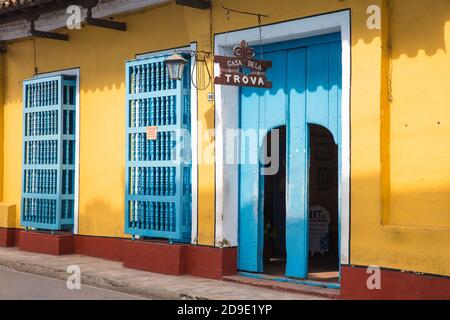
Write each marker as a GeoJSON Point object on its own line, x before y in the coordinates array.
{"type": "Point", "coordinates": [101, 53]}
{"type": "Point", "coordinates": [419, 25]}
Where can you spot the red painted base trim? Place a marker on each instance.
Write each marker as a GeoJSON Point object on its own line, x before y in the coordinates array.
{"type": "Point", "coordinates": [99, 247]}
{"type": "Point", "coordinates": [52, 244]}
{"type": "Point", "coordinates": [17, 238]}
{"type": "Point", "coordinates": [179, 259]}
{"type": "Point", "coordinates": [212, 263]}
{"type": "Point", "coordinates": [395, 285]}
{"type": "Point", "coordinates": [205, 262]}
{"type": "Point", "coordinates": [7, 237]}
{"type": "Point", "coordinates": [154, 257]}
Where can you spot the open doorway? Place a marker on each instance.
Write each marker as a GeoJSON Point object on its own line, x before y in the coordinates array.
{"type": "Point", "coordinates": [323, 238]}
{"type": "Point", "coordinates": [323, 262]}
{"type": "Point", "coordinates": [274, 206]}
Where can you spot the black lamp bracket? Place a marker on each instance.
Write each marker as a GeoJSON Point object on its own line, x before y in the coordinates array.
{"type": "Point", "coordinates": [200, 56]}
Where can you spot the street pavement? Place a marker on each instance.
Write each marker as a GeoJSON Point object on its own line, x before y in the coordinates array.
{"type": "Point", "coordinates": [22, 286]}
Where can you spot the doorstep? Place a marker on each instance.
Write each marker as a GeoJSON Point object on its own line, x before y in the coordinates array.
{"type": "Point", "coordinates": [285, 286]}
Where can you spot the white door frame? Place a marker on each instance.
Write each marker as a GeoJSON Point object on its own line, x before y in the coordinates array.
{"type": "Point", "coordinates": [227, 117]}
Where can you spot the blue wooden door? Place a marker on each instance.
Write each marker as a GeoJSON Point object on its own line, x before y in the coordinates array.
{"type": "Point", "coordinates": [306, 90]}
{"type": "Point", "coordinates": [258, 116]}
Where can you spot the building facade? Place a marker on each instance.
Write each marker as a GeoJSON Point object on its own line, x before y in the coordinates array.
{"type": "Point", "coordinates": [358, 100]}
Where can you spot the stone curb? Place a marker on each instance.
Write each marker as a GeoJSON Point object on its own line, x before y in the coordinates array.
{"type": "Point", "coordinates": [154, 293]}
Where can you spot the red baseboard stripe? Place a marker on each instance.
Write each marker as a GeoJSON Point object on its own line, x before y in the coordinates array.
{"type": "Point", "coordinates": [215, 263]}
{"type": "Point", "coordinates": [46, 243]}
{"type": "Point", "coordinates": [205, 262]}
{"type": "Point", "coordinates": [7, 237]}
{"type": "Point", "coordinates": [99, 247]}
{"type": "Point", "coordinates": [395, 285]}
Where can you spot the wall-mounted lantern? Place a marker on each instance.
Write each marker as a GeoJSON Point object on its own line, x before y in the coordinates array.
{"type": "Point", "coordinates": [175, 66]}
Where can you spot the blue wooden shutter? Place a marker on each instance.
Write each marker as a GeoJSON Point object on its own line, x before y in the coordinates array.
{"type": "Point", "coordinates": [48, 175]}
{"type": "Point", "coordinates": [158, 172]}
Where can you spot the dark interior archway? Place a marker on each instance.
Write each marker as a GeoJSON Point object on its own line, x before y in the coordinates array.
{"type": "Point", "coordinates": [323, 186]}
{"type": "Point", "coordinates": [323, 231]}
{"type": "Point", "coordinates": [274, 206]}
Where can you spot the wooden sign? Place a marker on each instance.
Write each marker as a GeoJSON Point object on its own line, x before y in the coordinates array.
{"type": "Point", "coordinates": [152, 133]}
{"type": "Point", "coordinates": [232, 69]}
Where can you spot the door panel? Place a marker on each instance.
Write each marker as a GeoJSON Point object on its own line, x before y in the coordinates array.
{"type": "Point", "coordinates": [323, 86]}
{"type": "Point", "coordinates": [261, 110]}
{"type": "Point", "coordinates": [249, 220]}
{"type": "Point", "coordinates": [297, 175]}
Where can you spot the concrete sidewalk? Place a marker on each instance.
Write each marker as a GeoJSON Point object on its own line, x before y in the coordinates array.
{"type": "Point", "coordinates": [112, 275]}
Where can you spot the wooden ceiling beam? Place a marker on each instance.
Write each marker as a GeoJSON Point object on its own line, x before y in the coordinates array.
{"type": "Point", "coordinates": [102, 23]}
{"type": "Point", "coordinates": [47, 34]}
{"type": "Point", "coordinates": [198, 4]}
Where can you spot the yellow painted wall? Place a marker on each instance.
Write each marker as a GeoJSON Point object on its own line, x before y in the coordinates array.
{"type": "Point", "coordinates": [420, 178]}
{"type": "Point", "coordinates": [414, 233]}
{"type": "Point", "coordinates": [400, 207]}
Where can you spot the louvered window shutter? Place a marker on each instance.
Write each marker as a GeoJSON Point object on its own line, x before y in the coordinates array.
{"type": "Point", "coordinates": [158, 169]}
{"type": "Point", "coordinates": [48, 175]}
